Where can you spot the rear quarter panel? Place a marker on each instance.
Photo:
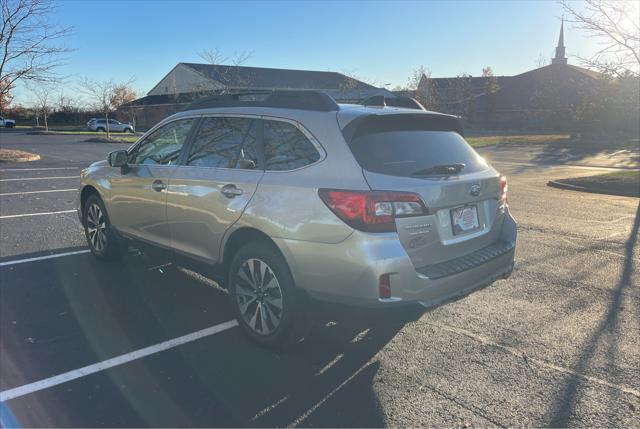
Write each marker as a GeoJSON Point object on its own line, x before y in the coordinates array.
{"type": "Point", "coordinates": [286, 204]}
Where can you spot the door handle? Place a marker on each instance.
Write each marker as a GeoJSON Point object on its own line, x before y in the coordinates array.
{"type": "Point", "coordinates": [231, 191]}
{"type": "Point", "coordinates": [158, 185]}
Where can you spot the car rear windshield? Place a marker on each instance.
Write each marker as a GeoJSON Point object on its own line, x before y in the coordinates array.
{"type": "Point", "coordinates": [414, 152]}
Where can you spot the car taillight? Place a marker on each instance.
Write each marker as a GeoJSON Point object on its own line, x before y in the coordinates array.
{"type": "Point", "coordinates": [504, 187]}
{"type": "Point", "coordinates": [372, 211]}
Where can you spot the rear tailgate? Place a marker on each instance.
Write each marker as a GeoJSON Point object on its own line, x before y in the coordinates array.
{"type": "Point", "coordinates": [404, 152]}
{"type": "Point", "coordinates": [431, 239]}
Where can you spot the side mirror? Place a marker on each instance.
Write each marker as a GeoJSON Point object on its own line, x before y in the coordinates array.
{"type": "Point", "coordinates": [118, 158]}
{"type": "Point", "coordinates": [246, 164]}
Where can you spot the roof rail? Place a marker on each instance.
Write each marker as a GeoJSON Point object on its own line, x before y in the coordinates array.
{"type": "Point", "coordinates": [284, 99]}
{"type": "Point", "coordinates": [382, 101]}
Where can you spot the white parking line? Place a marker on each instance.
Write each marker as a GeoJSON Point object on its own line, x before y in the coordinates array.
{"type": "Point", "coordinates": [115, 361]}
{"type": "Point", "coordinates": [37, 214]}
{"type": "Point", "coordinates": [42, 258]}
{"type": "Point", "coordinates": [40, 169]}
{"type": "Point", "coordinates": [39, 178]}
{"type": "Point", "coordinates": [37, 192]}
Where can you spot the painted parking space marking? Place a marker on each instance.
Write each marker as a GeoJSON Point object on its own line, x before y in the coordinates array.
{"type": "Point", "coordinates": [115, 361]}
{"type": "Point", "coordinates": [8, 194]}
{"type": "Point", "coordinates": [43, 258]}
{"type": "Point", "coordinates": [37, 214]}
{"type": "Point", "coordinates": [39, 178]}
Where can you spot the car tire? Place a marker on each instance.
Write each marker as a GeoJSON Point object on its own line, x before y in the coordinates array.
{"type": "Point", "coordinates": [101, 238]}
{"type": "Point", "coordinates": [128, 130]}
{"type": "Point", "coordinates": [100, 130]}
{"type": "Point", "coordinates": [259, 282]}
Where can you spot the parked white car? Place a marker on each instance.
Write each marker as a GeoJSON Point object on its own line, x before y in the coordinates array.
{"type": "Point", "coordinates": [7, 123]}
{"type": "Point", "coordinates": [100, 124]}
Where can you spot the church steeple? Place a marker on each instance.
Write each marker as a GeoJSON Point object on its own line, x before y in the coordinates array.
{"type": "Point", "coordinates": [560, 58]}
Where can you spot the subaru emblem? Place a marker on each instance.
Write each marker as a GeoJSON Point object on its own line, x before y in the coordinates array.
{"type": "Point", "coordinates": [474, 190]}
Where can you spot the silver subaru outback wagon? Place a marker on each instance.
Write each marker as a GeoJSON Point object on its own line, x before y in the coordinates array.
{"type": "Point", "coordinates": [293, 196]}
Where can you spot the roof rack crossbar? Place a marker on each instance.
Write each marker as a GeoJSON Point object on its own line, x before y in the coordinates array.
{"type": "Point", "coordinates": [284, 99]}
{"type": "Point", "coordinates": [383, 101]}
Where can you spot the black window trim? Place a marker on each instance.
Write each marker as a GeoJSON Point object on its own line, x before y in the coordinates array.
{"type": "Point", "coordinates": [186, 148]}
{"type": "Point", "coordinates": [199, 118]}
{"type": "Point", "coordinates": [319, 148]}
{"type": "Point", "coordinates": [187, 141]}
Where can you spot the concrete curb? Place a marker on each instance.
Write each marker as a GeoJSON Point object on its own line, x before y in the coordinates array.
{"type": "Point", "coordinates": [104, 140]}
{"type": "Point", "coordinates": [78, 133]}
{"type": "Point", "coordinates": [566, 186]}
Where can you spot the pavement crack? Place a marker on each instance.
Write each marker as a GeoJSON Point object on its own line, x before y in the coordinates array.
{"type": "Point", "coordinates": [564, 233]}
{"type": "Point", "coordinates": [472, 408]}
{"type": "Point", "coordinates": [539, 362]}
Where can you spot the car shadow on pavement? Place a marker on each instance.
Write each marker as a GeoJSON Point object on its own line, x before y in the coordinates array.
{"type": "Point", "coordinates": [572, 151]}
{"type": "Point", "coordinates": [70, 312]}
{"type": "Point", "coordinates": [604, 335]}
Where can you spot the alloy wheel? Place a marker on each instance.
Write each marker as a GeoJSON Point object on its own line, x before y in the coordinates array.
{"type": "Point", "coordinates": [96, 227]}
{"type": "Point", "coordinates": [259, 296]}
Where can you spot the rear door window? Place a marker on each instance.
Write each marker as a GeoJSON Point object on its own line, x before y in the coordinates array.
{"type": "Point", "coordinates": [225, 142]}
{"type": "Point", "coordinates": [410, 152]}
{"type": "Point", "coordinates": [286, 147]}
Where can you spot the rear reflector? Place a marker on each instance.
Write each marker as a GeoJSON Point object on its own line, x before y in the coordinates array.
{"type": "Point", "coordinates": [384, 288]}
{"type": "Point", "coordinates": [504, 187]}
{"type": "Point", "coordinates": [372, 211]}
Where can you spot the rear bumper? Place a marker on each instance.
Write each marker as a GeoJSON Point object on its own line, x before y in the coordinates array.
{"type": "Point", "coordinates": [349, 272]}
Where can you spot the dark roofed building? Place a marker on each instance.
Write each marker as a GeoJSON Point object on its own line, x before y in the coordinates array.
{"type": "Point", "coordinates": [189, 81]}
{"type": "Point", "coordinates": [230, 77]}
{"type": "Point", "coordinates": [533, 98]}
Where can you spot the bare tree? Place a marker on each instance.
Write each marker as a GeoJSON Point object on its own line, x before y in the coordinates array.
{"type": "Point", "coordinates": [102, 95]}
{"type": "Point", "coordinates": [351, 83]}
{"type": "Point", "coordinates": [66, 103]}
{"type": "Point", "coordinates": [123, 94]}
{"type": "Point", "coordinates": [421, 84]}
{"type": "Point", "coordinates": [30, 45]}
{"type": "Point", "coordinates": [213, 56]}
{"type": "Point", "coordinates": [615, 25]}
{"type": "Point", "coordinates": [232, 62]}
{"type": "Point", "coordinates": [460, 96]}
{"type": "Point", "coordinates": [6, 97]}
{"type": "Point", "coordinates": [541, 61]}
{"type": "Point", "coordinates": [491, 89]}
{"type": "Point", "coordinates": [417, 76]}
{"type": "Point", "coordinates": [43, 100]}
{"type": "Point", "coordinates": [216, 57]}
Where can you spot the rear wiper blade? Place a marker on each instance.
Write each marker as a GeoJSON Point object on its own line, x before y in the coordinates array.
{"type": "Point", "coordinates": [440, 169]}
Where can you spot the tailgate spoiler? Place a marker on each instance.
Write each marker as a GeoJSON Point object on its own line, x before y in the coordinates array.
{"type": "Point", "coordinates": [375, 123]}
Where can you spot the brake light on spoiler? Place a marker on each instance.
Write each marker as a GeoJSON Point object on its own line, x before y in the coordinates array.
{"type": "Point", "coordinates": [372, 211]}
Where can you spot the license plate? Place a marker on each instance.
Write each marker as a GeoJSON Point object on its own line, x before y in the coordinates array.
{"type": "Point", "coordinates": [464, 219]}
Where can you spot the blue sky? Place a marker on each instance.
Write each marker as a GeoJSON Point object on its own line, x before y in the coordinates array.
{"type": "Point", "coordinates": [377, 41]}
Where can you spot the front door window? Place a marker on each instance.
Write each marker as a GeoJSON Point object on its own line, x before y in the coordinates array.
{"type": "Point", "coordinates": [163, 146]}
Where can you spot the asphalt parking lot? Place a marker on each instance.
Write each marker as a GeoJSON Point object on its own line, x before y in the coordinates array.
{"type": "Point", "coordinates": [136, 343]}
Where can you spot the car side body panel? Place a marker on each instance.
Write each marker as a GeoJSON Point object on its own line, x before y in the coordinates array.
{"type": "Point", "coordinates": [199, 213]}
